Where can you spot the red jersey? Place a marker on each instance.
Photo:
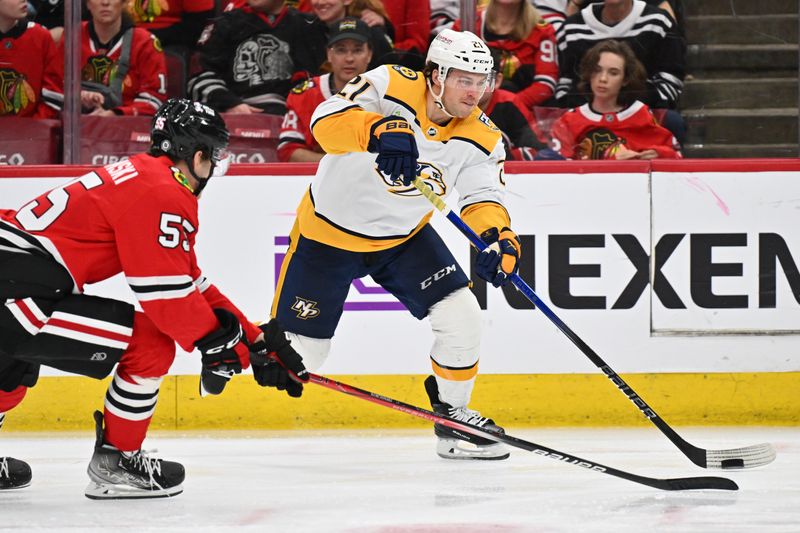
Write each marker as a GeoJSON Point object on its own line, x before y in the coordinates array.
{"type": "Point", "coordinates": [144, 88]}
{"type": "Point", "coordinates": [581, 130]}
{"type": "Point", "coordinates": [531, 65]}
{"type": "Point", "coordinates": [30, 77]}
{"type": "Point", "coordinates": [411, 20]}
{"type": "Point", "coordinates": [156, 14]}
{"type": "Point", "coordinates": [303, 99]}
{"type": "Point", "coordinates": [132, 217]}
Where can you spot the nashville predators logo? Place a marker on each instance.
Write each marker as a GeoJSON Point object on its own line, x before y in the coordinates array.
{"type": "Point", "coordinates": [305, 309]}
{"type": "Point", "coordinates": [16, 93]}
{"type": "Point", "coordinates": [406, 72]}
{"type": "Point", "coordinates": [428, 173]}
{"type": "Point", "coordinates": [147, 10]}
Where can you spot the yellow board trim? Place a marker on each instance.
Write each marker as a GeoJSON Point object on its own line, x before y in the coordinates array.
{"type": "Point", "coordinates": [770, 398]}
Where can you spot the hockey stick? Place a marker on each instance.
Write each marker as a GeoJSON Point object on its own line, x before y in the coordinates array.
{"type": "Point", "coordinates": [736, 458]}
{"type": "Point", "coordinates": [685, 483]}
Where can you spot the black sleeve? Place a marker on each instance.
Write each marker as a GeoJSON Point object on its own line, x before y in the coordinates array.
{"type": "Point", "coordinates": [186, 32]}
{"type": "Point", "coordinates": [216, 53]}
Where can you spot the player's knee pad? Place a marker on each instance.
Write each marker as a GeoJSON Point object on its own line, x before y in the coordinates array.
{"type": "Point", "coordinates": [313, 351]}
{"type": "Point", "coordinates": [456, 324]}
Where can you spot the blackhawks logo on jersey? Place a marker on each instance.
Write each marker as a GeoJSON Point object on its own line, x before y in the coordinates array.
{"type": "Point", "coordinates": [596, 144]}
{"type": "Point", "coordinates": [147, 10]}
{"type": "Point", "coordinates": [15, 92]}
{"type": "Point", "coordinates": [101, 69]}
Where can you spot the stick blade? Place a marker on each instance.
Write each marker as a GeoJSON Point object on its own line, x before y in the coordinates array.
{"type": "Point", "coordinates": [698, 483]}
{"type": "Point", "coordinates": [740, 458]}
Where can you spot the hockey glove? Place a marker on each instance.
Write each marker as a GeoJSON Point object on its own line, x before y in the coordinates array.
{"type": "Point", "coordinates": [500, 259]}
{"type": "Point", "coordinates": [223, 352]}
{"type": "Point", "coordinates": [275, 363]}
{"type": "Point", "coordinates": [393, 140]}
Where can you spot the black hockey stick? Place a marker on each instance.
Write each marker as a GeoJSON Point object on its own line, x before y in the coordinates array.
{"type": "Point", "coordinates": [736, 458]}
{"type": "Point", "coordinates": [685, 483]}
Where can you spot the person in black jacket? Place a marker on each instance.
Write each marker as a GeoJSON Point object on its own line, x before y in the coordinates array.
{"type": "Point", "coordinates": [252, 56]}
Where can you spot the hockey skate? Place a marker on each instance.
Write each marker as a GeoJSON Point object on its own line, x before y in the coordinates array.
{"type": "Point", "coordinates": [454, 444]}
{"type": "Point", "coordinates": [116, 475]}
{"type": "Point", "coordinates": [14, 474]}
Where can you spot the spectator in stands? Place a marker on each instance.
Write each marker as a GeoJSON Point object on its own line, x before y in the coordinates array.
{"type": "Point", "coordinates": [673, 7]}
{"type": "Point", "coordinates": [252, 56]}
{"type": "Point", "coordinates": [554, 11]}
{"type": "Point", "coordinates": [528, 46]}
{"type": "Point", "coordinates": [50, 14]}
{"type": "Point", "coordinates": [649, 31]}
{"type": "Point", "coordinates": [329, 12]}
{"type": "Point", "coordinates": [174, 22]}
{"type": "Point", "coordinates": [30, 80]}
{"type": "Point", "coordinates": [614, 125]}
{"type": "Point", "coordinates": [123, 68]}
{"type": "Point", "coordinates": [349, 53]}
{"type": "Point", "coordinates": [443, 15]}
{"type": "Point", "coordinates": [411, 20]}
{"type": "Point", "coordinates": [373, 12]}
{"type": "Point", "coordinates": [519, 138]}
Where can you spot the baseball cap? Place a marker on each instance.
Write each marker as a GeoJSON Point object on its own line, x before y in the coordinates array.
{"type": "Point", "coordinates": [349, 28]}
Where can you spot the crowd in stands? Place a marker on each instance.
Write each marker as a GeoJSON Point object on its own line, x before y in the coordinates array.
{"type": "Point", "coordinates": [576, 79]}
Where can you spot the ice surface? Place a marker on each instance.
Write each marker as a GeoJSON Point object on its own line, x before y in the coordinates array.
{"type": "Point", "coordinates": [391, 482]}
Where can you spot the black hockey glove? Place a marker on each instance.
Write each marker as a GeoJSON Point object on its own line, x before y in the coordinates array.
{"type": "Point", "coordinates": [14, 373]}
{"type": "Point", "coordinates": [393, 140]}
{"type": "Point", "coordinates": [500, 259]}
{"type": "Point", "coordinates": [275, 363]}
{"type": "Point", "coordinates": [222, 351]}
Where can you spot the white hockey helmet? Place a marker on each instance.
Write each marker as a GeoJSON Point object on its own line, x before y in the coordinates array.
{"type": "Point", "coordinates": [462, 50]}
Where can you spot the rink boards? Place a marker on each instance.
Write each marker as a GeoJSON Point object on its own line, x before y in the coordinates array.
{"type": "Point", "coordinates": [682, 275]}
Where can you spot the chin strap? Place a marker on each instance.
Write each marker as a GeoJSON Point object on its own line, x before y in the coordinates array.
{"type": "Point", "coordinates": [201, 182]}
{"type": "Point", "coordinates": [437, 98]}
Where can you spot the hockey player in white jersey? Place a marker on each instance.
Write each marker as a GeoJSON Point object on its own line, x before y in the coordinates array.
{"type": "Point", "coordinates": [363, 216]}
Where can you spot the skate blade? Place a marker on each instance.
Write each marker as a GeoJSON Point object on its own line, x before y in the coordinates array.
{"type": "Point", "coordinates": [462, 450]}
{"type": "Point", "coordinates": [108, 491]}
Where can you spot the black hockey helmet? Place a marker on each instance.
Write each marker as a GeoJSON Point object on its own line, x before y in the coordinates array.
{"type": "Point", "coordinates": [182, 127]}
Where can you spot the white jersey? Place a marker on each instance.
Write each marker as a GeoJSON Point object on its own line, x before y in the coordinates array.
{"type": "Point", "coordinates": [353, 206]}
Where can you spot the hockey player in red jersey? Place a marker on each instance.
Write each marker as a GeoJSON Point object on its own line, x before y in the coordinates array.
{"type": "Point", "coordinates": [30, 77]}
{"type": "Point", "coordinates": [614, 125]}
{"type": "Point", "coordinates": [349, 53]}
{"type": "Point", "coordinates": [137, 217]}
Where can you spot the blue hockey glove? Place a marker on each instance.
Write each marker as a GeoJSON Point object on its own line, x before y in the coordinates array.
{"type": "Point", "coordinates": [393, 140]}
{"type": "Point", "coordinates": [501, 258]}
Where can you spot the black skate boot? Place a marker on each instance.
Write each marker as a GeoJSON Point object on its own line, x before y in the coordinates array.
{"type": "Point", "coordinates": [14, 474]}
{"type": "Point", "coordinates": [455, 444]}
{"type": "Point", "coordinates": [116, 475]}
